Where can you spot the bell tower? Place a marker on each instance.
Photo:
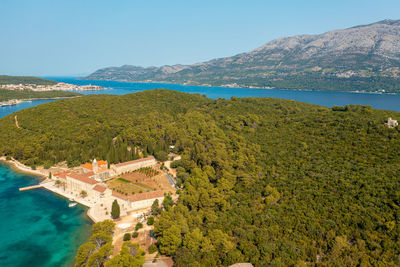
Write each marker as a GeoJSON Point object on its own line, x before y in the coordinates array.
{"type": "Point", "coordinates": [95, 166]}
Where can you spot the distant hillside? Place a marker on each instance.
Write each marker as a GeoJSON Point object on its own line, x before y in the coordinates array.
{"type": "Point", "coordinates": [5, 79]}
{"type": "Point", "coordinates": [365, 57]}
{"type": "Point", "coordinates": [267, 181]}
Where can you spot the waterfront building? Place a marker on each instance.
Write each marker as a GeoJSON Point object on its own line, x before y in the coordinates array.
{"type": "Point", "coordinates": [61, 176]}
{"type": "Point", "coordinates": [85, 182]}
{"type": "Point", "coordinates": [101, 192]}
{"type": "Point", "coordinates": [78, 182]}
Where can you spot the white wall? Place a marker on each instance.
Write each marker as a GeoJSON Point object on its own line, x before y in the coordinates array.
{"type": "Point", "coordinates": [144, 203]}
{"type": "Point", "coordinates": [134, 166]}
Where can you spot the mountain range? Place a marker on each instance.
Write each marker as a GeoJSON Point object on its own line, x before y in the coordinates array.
{"type": "Point", "coordinates": [361, 58]}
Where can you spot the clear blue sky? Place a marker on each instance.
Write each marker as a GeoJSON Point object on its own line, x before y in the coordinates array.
{"type": "Point", "coordinates": [75, 37]}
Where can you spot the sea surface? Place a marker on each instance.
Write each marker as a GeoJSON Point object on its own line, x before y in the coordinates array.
{"type": "Point", "coordinates": [38, 229]}
{"type": "Point", "coordinates": [324, 98]}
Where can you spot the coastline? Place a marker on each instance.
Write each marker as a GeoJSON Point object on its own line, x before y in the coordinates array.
{"type": "Point", "coordinates": [57, 97]}
{"type": "Point", "coordinates": [19, 167]}
{"type": "Point", "coordinates": [242, 87]}
{"type": "Point", "coordinates": [20, 225]}
{"type": "Point", "coordinates": [19, 101]}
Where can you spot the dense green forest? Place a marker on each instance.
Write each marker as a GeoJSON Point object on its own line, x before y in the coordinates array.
{"type": "Point", "coordinates": [29, 94]}
{"type": "Point", "coordinates": [266, 181]}
{"type": "Point", "coordinates": [5, 79]}
{"type": "Point", "coordinates": [309, 81]}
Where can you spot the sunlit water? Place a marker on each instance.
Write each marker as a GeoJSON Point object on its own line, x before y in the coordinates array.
{"type": "Point", "coordinates": [328, 99]}
{"type": "Point", "coordinates": [36, 227]}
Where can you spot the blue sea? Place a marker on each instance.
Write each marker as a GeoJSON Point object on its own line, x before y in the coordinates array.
{"type": "Point", "coordinates": [323, 98]}
{"type": "Point", "coordinates": [38, 229]}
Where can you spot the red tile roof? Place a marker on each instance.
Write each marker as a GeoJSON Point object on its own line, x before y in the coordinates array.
{"type": "Point", "coordinates": [119, 195]}
{"type": "Point", "coordinates": [139, 197]}
{"type": "Point", "coordinates": [100, 188]}
{"type": "Point", "coordinates": [134, 161]}
{"type": "Point", "coordinates": [146, 195]}
{"type": "Point", "coordinates": [89, 166]}
{"type": "Point", "coordinates": [62, 175]}
{"type": "Point", "coordinates": [102, 162]}
{"type": "Point", "coordinates": [84, 177]}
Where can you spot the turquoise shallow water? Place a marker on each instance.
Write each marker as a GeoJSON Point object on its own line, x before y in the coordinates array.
{"type": "Point", "coordinates": [36, 227]}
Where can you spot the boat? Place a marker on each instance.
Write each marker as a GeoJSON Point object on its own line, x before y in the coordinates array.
{"type": "Point", "coordinates": [72, 204]}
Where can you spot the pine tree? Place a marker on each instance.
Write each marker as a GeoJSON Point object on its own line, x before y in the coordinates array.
{"type": "Point", "coordinates": [155, 208]}
{"type": "Point", "coordinates": [115, 211]}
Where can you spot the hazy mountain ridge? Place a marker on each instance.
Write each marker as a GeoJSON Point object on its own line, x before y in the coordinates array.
{"type": "Point", "coordinates": [365, 57]}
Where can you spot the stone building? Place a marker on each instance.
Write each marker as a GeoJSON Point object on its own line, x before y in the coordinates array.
{"type": "Point", "coordinates": [133, 165]}
{"type": "Point", "coordinates": [392, 123]}
{"type": "Point", "coordinates": [76, 183]}
{"type": "Point", "coordinates": [138, 201]}
{"type": "Point", "coordinates": [100, 168]}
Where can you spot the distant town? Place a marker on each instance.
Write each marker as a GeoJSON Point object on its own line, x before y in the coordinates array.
{"type": "Point", "coordinates": [51, 87]}
{"type": "Point", "coordinates": [11, 102]}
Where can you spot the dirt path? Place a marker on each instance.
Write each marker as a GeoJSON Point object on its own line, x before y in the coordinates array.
{"type": "Point", "coordinates": [16, 122]}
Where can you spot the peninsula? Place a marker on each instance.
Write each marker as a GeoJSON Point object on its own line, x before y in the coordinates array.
{"type": "Point", "coordinates": [260, 180]}
{"type": "Point", "coordinates": [13, 89]}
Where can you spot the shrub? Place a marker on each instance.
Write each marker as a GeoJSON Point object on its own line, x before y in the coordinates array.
{"type": "Point", "coordinates": [339, 108]}
{"type": "Point", "coordinates": [127, 237]}
{"type": "Point", "coordinates": [138, 226]}
{"type": "Point", "coordinates": [161, 156]}
{"type": "Point", "coordinates": [155, 207]}
{"type": "Point", "coordinates": [115, 210]}
{"type": "Point", "coordinates": [135, 234]}
{"type": "Point", "coordinates": [167, 202]}
{"type": "Point", "coordinates": [150, 221]}
{"type": "Point", "coordinates": [182, 176]}
{"type": "Point", "coordinates": [47, 165]}
{"type": "Point", "coordinates": [152, 249]}
{"type": "Point", "coordinates": [175, 164]}
{"type": "Point", "coordinates": [83, 194]}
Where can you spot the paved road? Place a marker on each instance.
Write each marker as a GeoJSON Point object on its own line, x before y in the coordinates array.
{"type": "Point", "coordinates": [171, 180]}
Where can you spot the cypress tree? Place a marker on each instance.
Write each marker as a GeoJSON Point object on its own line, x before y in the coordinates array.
{"type": "Point", "coordinates": [115, 209]}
